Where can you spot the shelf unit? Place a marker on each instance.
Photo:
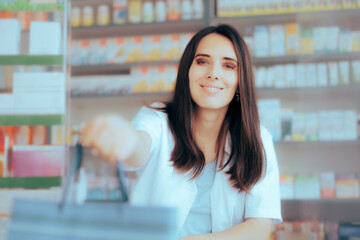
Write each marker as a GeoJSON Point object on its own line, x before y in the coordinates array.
{"type": "Point", "coordinates": [17, 120]}
{"type": "Point", "coordinates": [342, 210]}
{"type": "Point", "coordinates": [33, 185]}
{"type": "Point", "coordinates": [42, 60]}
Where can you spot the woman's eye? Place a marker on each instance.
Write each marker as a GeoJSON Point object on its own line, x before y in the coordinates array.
{"type": "Point", "coordinates": [200, 61]}
{"type": "Point", "coordinates": [229, 66]}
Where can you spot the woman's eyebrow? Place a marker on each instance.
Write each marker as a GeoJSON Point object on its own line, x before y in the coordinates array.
{"type": "Point", "coordinates": [201, 55]}
{"type": "Point", "coordinates": [207, 55]}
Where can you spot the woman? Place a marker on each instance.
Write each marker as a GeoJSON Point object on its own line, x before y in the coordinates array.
{"type": "Point", "coordinates": [204, 151]}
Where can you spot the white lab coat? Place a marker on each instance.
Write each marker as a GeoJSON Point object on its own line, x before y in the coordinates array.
{"type": "Point", "coordinates": [159, 184]}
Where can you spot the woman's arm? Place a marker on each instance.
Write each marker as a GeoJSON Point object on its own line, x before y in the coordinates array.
{"type": "Point", "coordinates": [252, 228]}
{"type": "Point", "coordinates": [114, 139]}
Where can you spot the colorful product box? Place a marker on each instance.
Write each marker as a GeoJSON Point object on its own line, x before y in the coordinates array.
{"type": "Point", "coordinates": [347, 185]}
{"type": "Point", "coordinates": [135, 49]}
{"type": "Point", "coordinates": [171, 47]}
{"type": "Point", "coordinates": [292, 38]}
{"type": "Point", "coordinates": [152, 48]}
{"type": "Point", "coordinates": [327, 180]}
{"type": "Point", "coordinates": [37, 161]}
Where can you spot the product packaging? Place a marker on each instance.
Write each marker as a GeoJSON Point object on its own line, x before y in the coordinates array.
{"type": "Point", "coordinates": [10, 39]}
{"type": "Point", "coordinates": [301, 77]}
{"type": "Point", "coordinates": [350, 124]}
{"type": "Point", "coordinates": [307, 187]}
{"type": "Point", "coordinates": [119, 11]}
{"type": "Point", "coordinates": [37, 161]}
{"type": "Point", "coordinates": [87, 16]}
{"type": "Point", "coordinates": [290, 76]}
{"type": "Point", "coordinates": [355, 67]}
{"type": "Point", "coordinates": [299, 127]}
{"type": "Point", "coordinates": [152, 48]}
{"type": "Point", "coordinates": [277, 40]}
{"type": "Point", "coordinates": [261, 40]}
{"type": "Point", "coordinates": [333, 73]}
{"type": "Point", "coordinates": [6, 103]}
{"type": "Point", "coordinates": [287, 116]}
{"type": "Point", "coordinates": [344, 72]}
{"type": "Point", "coordinates": [347, 185]}
{"type": "Point", "coordinates": [173, 10]}
{"type": "Point", "coordinates": [311, 127]}
{"type": "Point", "coordinates": [45, 38]}
{"type": "Point", "coordinates": [135, 49]}
{"type": "Point", "coordinates": [286, 186]}
{"type": "Point", "coordinates": [327, 184]}
{"type": "Point", "coordinates": [322, 74]}
{"type": "Point", "coordinates": [307, 41]}
{"type": "Point", "coordinates": [171, 46]}
{"type": "Point", "coordinates": [103, 15]}
{"type": "Point", "coordinates": [292, 38]}
{"type": "Point", "coordinates": [270, 116]}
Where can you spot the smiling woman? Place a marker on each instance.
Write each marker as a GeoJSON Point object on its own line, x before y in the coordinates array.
{"type": "Point", "coordinates": [204, 151]}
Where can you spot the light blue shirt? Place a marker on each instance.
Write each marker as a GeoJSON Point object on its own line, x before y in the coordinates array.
{"type": "Point", "coordinates": [199, 219]}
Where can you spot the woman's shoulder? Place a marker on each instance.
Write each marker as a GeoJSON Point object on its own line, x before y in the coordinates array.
{"type": "Point", "coordinates": [265, 134]}
{"type": "Point", "coordinates": [152, 113]}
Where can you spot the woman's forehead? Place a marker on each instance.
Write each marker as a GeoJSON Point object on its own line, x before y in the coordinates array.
{"type": "Point", "coordinates": [216, 45]}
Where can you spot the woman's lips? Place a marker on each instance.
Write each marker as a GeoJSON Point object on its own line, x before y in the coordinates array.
{"type": "Point", "coordinates": [211, 89]}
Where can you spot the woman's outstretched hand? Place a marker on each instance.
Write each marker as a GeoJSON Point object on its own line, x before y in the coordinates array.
{"type": "Point", "coordinates": [111, 137]}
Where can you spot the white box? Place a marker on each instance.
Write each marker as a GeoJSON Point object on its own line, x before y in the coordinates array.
{"type": "Point", "coordinates": [45, 38]}
{"type": "Point", "coordinates": [324, 130]}
{"type": "Point", "coordinates": [311, 75]}
{"type": "Point", "coordinates": [270, 116]}
{"type": "Point", "coordinates": [6, 103]}
{"type": "Point", "coordinates": [277, 40]}
{"type": "Point", "coordinates": [350, 124]}
{"type": "Point", "coordinates": [332, 39]}
{"type": "Point", "coordinates": [279, 80]}
{"type": "Point", "coordinates": [333, 73]}
{"type": "Point", "coordinates": [43, 81]}
{"type": "Point", "coordinates": [301, 77]}
{"type": "Point", "coordinates": [344, 72]}
{"type": "Point", "coordinates": [39, 102]}
{"type": "Point", "coordinates": [10, 36]}
{"type": "Point", "coordinates": [261, 40]}
{"type": "Point", "coordinates": [320, 34]}
{"type": "Point", "coordinates": [290, 76]}
{"type": "Point", "coordinates": [322, 74]}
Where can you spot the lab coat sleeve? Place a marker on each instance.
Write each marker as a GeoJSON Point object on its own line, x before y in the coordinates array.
{"type": "Point", "coordinates": [263, 201]}
{"type": "Point", "coordinates": [150, 121]}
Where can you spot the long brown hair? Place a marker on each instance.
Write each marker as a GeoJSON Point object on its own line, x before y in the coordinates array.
{"type": "Point", "coordinates": [247, 158]}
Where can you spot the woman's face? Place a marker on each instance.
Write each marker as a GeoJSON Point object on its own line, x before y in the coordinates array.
{"type": "Point", "coordinates": [213, 75]}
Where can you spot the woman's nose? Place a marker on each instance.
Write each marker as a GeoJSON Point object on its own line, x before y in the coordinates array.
{"type": "Point", "coordinates": [214, 72]}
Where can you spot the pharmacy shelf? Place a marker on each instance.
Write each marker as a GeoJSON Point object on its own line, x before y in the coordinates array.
{"type": "Point", "coordinates": [22, 5]}
{"type": "Point", "coordinates": [312, 143]}
{"type": "Point", "coordinates": [30, 182]}
{"type": "Point", "coordinates": [115, 68]}
{"type": "Point", "coordinates": [122, 94]}
{"type": "Point", "coordinates": [16, 120]}
{"type": "Point", "coordinates": [139, 29]}
{"type": "Point", "coordinates": [318, 16]}
{"type": "Point", "coordinates": [332, 210]}
{"type": "Point", "coordinates": [43, 60]}
{"type": "Point", "coordinates": [321, 88]}
{"type": "Point", "coordinates": [323, 57]}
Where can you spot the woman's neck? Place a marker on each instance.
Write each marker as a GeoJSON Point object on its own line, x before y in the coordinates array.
{"type": "Point", "coordinates": [207, 125]}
